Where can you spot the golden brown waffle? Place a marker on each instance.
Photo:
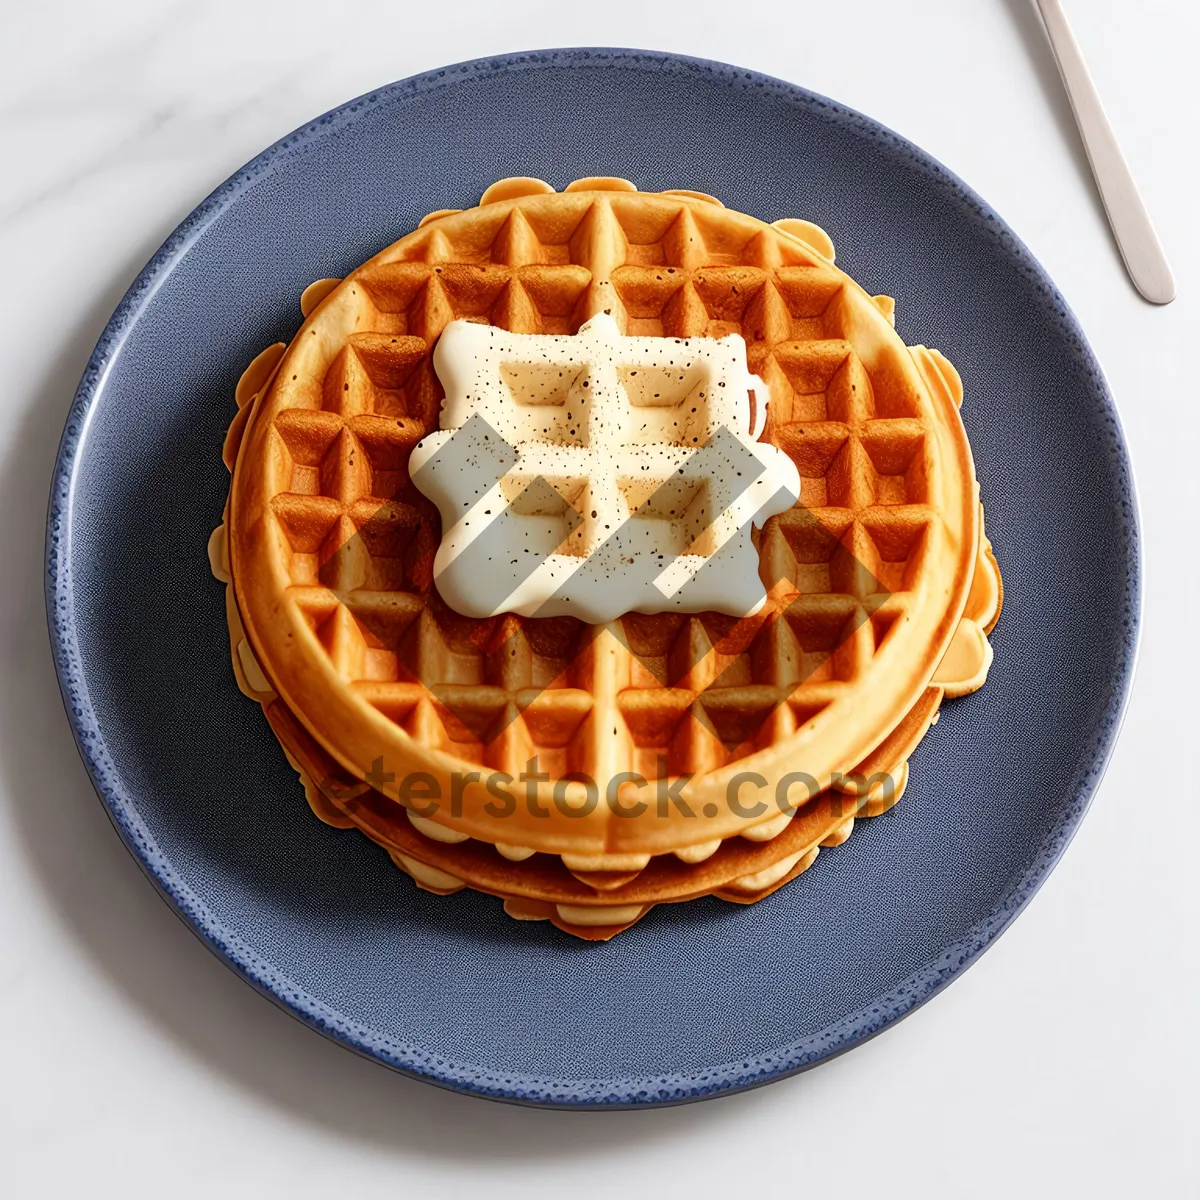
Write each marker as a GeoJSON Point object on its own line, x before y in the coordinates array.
{"type": "Point", "coordinates": [331, 546]}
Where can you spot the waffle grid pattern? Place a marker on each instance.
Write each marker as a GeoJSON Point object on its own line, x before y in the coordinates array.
{"type": "Point", "coordinates": [669, 694]}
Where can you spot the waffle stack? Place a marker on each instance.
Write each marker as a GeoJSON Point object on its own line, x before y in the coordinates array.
{"type": "Point", "coordinates": [584, 773]}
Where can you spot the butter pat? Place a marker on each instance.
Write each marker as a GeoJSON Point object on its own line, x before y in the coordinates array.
{"type": "Point", "coordinates": [596, 474]}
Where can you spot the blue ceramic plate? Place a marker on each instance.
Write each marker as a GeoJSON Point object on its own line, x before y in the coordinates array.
{"type": "Point", "coordinates": [699, 998]}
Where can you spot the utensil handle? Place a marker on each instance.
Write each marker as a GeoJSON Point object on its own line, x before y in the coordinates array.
{"type": "Point", "coordinates": [1144, 258]}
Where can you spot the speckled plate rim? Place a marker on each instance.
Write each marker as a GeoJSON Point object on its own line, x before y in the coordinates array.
{"type": "Point", "coordinates": [412, 1060]}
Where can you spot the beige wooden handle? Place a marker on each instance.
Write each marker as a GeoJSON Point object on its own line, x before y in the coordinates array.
{"type": "Point", "coordinates": [1144, 258]}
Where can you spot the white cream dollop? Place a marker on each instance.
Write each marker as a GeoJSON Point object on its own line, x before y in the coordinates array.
{"type": "Point", "coordinates": [595, 474]}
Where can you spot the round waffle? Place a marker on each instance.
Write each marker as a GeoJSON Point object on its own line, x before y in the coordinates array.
{"type": "Point", "coordinates": [331, 546]}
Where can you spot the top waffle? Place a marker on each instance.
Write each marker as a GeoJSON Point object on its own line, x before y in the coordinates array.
{"type": "Point", "coordinates": [332, 547]}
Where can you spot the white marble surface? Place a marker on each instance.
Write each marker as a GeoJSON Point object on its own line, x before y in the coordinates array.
{"type": "Point", "coordinates": [135, 1064]}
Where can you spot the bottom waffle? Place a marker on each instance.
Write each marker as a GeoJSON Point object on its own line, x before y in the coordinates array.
{"type": "Point", "coordinates": [596, 905]}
